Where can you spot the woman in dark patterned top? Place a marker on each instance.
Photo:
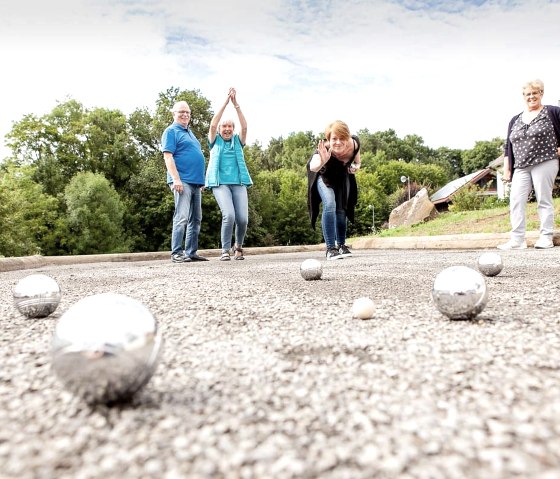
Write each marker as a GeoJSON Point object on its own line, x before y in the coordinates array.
{"type": "Point", "coordinates": [331, 180]}
{"type": "Point", "coordinates": [531, 162]}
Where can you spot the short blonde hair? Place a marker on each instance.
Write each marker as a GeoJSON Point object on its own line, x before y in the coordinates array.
{"type": "Point", "coordinates": [339, 128]}
{"type": "Point", "coordinates": [534, 85]}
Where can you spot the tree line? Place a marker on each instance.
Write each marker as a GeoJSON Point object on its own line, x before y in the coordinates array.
{"type": "Point", "coordinates": [89, 181]}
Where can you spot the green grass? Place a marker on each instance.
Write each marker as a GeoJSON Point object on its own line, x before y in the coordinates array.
{"type": "Point", "coordinates": [494, 220]}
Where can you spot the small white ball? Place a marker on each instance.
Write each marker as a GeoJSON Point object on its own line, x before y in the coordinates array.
{"type": "Point", "coordinates": [363, 308]}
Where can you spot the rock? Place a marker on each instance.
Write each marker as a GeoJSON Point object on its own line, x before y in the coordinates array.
{"type": "Point", "coordinates": [414, 211]}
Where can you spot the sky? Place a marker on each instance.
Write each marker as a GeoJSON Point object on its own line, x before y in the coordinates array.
{"type": "Point", "coordinates": [449, 71]}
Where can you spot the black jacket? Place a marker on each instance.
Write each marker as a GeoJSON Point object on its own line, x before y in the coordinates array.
{"type": "Point", "coordinates": [345, 187]}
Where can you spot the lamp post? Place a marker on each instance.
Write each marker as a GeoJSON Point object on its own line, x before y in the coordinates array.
{"type": "Point", "coordinates": [406, 179]}
{"type": "Point", "coordinates": [372, 208]}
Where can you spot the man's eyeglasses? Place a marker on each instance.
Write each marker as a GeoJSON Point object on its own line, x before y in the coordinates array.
{"type": "Point", "coordinates": [183, 112]}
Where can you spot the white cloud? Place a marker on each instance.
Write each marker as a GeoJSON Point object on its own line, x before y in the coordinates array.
{"type": "Point", "coordinates": [452, 77]}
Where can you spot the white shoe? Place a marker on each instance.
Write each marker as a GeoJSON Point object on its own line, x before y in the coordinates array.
{"type": "Point", "coordinates": [511, 244]}
{"type": "Point", "coordinates": [544, 242]}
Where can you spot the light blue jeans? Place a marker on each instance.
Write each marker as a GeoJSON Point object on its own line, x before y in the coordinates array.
{"type": "Point", "coordinates": [540, 178]}
{"type": "Point", "coordinates": [333, 219]}
{"type": "Point", "coordinates": [234, 205]}
{"type": "Point", "coordinates": [186, 219]}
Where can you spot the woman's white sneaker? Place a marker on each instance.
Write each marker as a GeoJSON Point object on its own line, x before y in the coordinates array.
{"type": "Point", "coordinates": [544, 242]}
{"type": "Point", "coordinates": [511, 244]}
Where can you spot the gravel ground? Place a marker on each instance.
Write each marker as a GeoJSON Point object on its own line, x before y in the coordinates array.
{"type": "Point", "coordinates": [264, 374]}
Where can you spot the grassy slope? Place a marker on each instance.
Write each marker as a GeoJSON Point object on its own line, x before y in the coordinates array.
{"type": "Point", "coordinates": [482, 221]}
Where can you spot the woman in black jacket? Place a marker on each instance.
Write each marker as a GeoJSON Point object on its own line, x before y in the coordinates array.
{"type": "Point", "coordinates": [331, 181]}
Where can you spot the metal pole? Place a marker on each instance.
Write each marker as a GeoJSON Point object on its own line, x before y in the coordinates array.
{"type": "Point", "coordinates": [408, 181]}
{"type": "Point", "coordinates": [372, 208]}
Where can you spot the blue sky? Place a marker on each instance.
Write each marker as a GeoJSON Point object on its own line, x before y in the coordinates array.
{"type": "Point", "coordinates": [450, 72]}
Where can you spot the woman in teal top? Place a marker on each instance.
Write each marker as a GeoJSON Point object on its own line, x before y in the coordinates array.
{"type": "Point", "coordinates": [228, 178]}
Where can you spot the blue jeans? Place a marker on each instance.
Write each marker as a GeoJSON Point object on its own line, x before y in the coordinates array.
{"type": "Point", "coordinates": [234, 205]}
{"type": "Point", "coordinates": [333, 219]}
{"type": "Point", "coordinates": [186, 219]}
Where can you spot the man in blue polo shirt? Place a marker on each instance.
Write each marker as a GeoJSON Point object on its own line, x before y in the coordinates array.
{"type": "Point", "coordinates": [184, 161]}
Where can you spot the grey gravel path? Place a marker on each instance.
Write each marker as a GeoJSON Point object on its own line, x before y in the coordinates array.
{"type": "Point", "coordinates": [266, 375]}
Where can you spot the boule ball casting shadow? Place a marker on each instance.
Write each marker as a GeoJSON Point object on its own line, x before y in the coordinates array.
{"type": "Point", "coordinates": [460, 292]}
{"type": "Point", "coordinates": [106, 347]}
{"type": "Point", "coordinates": [311, 269]}
{"type": "Point", "coordinates": [490, 264]}
{"type": "Point", "coordinates": [37, 295]}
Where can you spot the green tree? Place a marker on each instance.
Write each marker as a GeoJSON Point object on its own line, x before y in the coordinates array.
{"type": "Point", "coordinates": [272, 159]}
{"type": "Point", "coordinates": [53, 143]}
{"type": "Point", "coordinates": [262, 197]}
{"type": "Point", "coordinates": [372, 204]}
{"type": "Point", "coordinates": [254, 157]}
{"type": "Point", "coordinates": [29, 221]}
{"type": "Point", "coordinates": [481, 155]}
{"type": "Point", "coordinates": [451, 160]}
{"type": "Point", "coordinates": [109, 146]}
{"type": "Point", "coordinates": [292, 223]}
{"type": "Point", "coordinates": [430, 176]}
{"type": "Point", "coordinates": [296, 151]}
{"type": "Point", "coordinates": [149, 207]}
{"type": "Point", "coordinates": [94, 215]}
{"type": "Point", "coordinates": [71, 139]}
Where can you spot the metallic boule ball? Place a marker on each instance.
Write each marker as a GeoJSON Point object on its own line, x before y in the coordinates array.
{"type": "Point", "coordinates": [490, 264]}
{"type": "Point", "coordinates": [311, 269]}
{"type": "Point", "coordinates": [105, 347]}
{"type": "Point", "coordinates": [37, 295]}
{"type": "Point", "coordinates": [460, 292]}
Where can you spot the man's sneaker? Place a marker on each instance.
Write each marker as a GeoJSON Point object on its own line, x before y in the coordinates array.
{"type": "Point", "coordinates": [511, 244]}
{"type": "Point", "coordinates": [179, 258]}
{"type": "Point", "coordinates": [544, 242]}
{"type": "Point", "coordinates": [197, 257]}
{"type": "Point", "coordinates": [344, 251]}
{"type": "Point", "coordinates": [332, 253]}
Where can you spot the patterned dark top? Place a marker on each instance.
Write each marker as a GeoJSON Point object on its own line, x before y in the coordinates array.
{"type": "Point", "coordinates": [535, 142]}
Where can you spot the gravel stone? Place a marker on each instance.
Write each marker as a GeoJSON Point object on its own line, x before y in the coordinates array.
{"type": "Point", "coordinates": [264, 374]}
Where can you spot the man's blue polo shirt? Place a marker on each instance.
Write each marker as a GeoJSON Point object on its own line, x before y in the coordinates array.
{"type": "Point", "coordinates": [187, 153]}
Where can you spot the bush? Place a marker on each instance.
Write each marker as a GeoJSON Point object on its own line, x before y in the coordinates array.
{"type": "Point", "coordinates": [472, 197]}
{"type": "Point", "coordinates": [95, 215]}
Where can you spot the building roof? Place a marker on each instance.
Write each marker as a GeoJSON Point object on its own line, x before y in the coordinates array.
{"type": "Point", "coordinates": [498, 163]}
{"type": "Point", "coordinates": [443, 194]}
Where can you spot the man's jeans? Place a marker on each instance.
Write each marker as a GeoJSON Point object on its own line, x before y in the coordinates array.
{"type": "Point", "coordinates": [186, 219]}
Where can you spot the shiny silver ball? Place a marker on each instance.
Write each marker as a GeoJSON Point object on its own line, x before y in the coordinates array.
{"type": "Point", "coordinates": [460, 292]}
{"type": "Point", "coordinates": [490, 264]}
{"type": "Point", "coordinates": [37, 295]}
{"type": "Point", "coordinates": [311, 269]}
{"type": "Point", "coordinates": [106, 347]}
